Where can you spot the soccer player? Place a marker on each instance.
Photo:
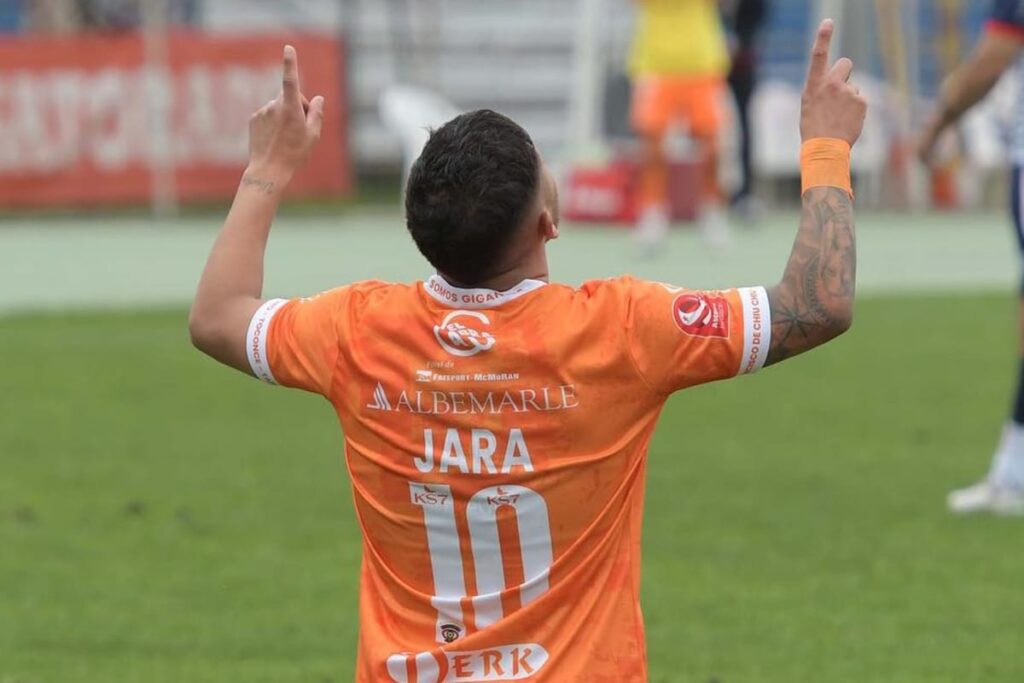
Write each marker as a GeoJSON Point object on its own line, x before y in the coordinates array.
{"type": "Point", "coordinates": [1002, 490]}
{"type": "Point", "coordinates": [496, 425]}
{"type": "Point", "coordinates": [678, 64]}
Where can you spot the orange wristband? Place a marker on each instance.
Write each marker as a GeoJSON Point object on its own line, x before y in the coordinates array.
{"type": "Point", "coordinates": [825, 162]}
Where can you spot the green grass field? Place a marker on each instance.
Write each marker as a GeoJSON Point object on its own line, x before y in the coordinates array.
{"type": "Point", "coordinates": [165, 520]}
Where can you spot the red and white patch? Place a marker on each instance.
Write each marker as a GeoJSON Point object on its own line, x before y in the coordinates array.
{"type": "Point", "coordinates": [702, 315]}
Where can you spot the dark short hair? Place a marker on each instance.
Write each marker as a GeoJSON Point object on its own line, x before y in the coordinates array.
{"type": "Point", "coordinates": [469, 191]}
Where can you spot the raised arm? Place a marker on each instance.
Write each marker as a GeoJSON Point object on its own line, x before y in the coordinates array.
{"type": "Point", "coordinates": [969, 83]}
{"type": "Point", "coordinates": [814, 301]}
{"type": "Point", "coordinates": [230, 291]}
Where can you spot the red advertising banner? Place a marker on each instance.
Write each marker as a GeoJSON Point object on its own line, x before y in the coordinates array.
{"type": "Point", "coordinates": [85, 120]}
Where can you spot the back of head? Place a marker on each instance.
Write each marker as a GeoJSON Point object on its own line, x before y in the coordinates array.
{"type": "Point", "coordinates": [468, 193]}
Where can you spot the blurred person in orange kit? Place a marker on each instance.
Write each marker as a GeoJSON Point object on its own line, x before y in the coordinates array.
{"type": "Point", "coordinates": [678, 62]}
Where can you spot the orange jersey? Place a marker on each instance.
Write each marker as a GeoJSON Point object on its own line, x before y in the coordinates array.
{"type": "Point", "coordinates": [497, 446]}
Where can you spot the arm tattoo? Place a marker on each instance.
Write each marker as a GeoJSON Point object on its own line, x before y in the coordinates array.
{"type": "Point", "coordinates": [814, 301]}
{"type": "Point", "coordinates": [264, 186]}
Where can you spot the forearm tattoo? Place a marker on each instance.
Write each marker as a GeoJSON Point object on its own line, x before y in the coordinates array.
{"type": "Point", "coordinates": [813, 303]}
{"type": "Point", "coordinates": [263, 186]}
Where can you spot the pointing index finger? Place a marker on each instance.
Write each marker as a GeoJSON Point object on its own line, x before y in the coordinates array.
{"type": "Point", "coordinates": [818, 66]}
{"type": "Point", "coordinates": [290, 81]}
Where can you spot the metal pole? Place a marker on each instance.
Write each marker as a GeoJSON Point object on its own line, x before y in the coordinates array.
{"type": "Point", "coordinates": [164, 189]}
{"type": "Point", "coordinates": [587, 86]}
{"type": "Point", "coordinates": [916, 191]}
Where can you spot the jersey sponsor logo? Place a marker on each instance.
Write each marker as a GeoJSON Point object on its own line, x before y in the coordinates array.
{"type": "Point", "coordinates": [757, 325]}
{"type": "Point", "coordinates": [256, 344]}
{"type": "Point", "coordinates": [459, 333]}
{"type": "Point", "coordinates": [424, 494]}
{"type": "Point", "coordinates": [380, 399]}
{"type": "Point", "coordinates": [702, 315]}
{"type": "Point", "coordinates": [428, 376]}
{"type": "Point", "coordinates": [255, 352]}
{"type": "Point", "coordinates": [515, 662]}
{"type": "Point", "coordinates": [423, 402]}
{"type": "Point", "coordinates": [450, 632]}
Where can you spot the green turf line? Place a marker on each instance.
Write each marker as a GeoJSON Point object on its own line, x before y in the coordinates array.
{"type": "Point", "coordinates": [130, 262]}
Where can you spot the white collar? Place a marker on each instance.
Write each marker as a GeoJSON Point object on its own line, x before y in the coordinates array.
{"type": "Point", "coordinates": [457, 297]}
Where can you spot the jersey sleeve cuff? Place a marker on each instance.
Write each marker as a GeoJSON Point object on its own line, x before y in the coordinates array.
{"type": "Point", "coordinates": [256, 339]}
{"type": "Point", "coordinates": [757, 329]}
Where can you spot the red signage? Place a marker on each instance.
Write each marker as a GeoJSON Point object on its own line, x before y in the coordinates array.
{"type": "Point", "coordinates": [86, 120]}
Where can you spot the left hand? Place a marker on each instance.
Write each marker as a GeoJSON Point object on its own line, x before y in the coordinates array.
{"type": "Point", "coordinates": [830, 107]}
{"type": "Point", "coordinates": [282, 133]}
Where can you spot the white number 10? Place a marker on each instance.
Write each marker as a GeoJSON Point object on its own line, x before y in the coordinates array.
{"type": "Point", "coordinates": [482, 517]}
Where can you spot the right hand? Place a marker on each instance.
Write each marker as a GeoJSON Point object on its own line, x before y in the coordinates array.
{"type": "Point", "coordinates": [830, 106]}
{"type": "Point", "coordinates": [282, 132]}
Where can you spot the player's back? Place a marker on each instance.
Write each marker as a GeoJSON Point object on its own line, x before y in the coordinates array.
{"type": "Point", "coordinates": [496, 443]}
{"type": "Point", "coordinates": [496, 454]}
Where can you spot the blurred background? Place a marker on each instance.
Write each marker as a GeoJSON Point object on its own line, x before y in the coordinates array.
{"type": "Point", "coordinates": [557, 66]}
{"type": "Point", "coordinates": [138, 109]}
{"type": "Point", "coordinates": [162, 519]}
